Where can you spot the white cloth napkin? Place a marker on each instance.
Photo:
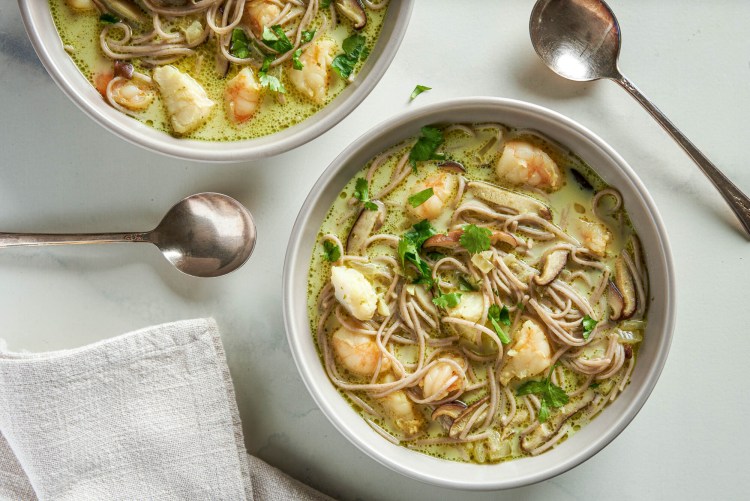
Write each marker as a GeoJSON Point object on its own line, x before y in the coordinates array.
{"type": "Point", "coordinates": [149, 415]}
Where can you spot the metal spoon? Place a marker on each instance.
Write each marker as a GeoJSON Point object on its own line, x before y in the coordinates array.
{"type": "Point", "coordinates": [580, 40]}
{"type": "Point", "coordinates": [204, 235]}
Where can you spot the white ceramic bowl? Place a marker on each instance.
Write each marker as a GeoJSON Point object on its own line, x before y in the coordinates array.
{"type": "Point", "coordinates": [652, 355]}
{"type": "Point", "coordinates": [46, 41]}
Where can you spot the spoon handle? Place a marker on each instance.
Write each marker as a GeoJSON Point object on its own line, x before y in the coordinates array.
{"type": "Point", "coordinates": [738, 201]}
{"type": "Point", "coordinates": [37, 239]}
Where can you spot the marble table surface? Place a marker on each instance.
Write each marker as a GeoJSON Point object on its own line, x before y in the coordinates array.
{"type": "Point", "coordinates": [59, 171]}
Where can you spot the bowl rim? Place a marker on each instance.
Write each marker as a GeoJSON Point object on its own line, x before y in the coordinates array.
{"type": "Point", "coordinates": [423, 114]}
{"type": "Point", "coordinates": [78, 89]}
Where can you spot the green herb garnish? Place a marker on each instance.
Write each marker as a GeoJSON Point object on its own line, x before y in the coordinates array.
{"type": "Point", "coordinates": [239, 45]}
{"type": "Point", "coordinates": [434, 255]}
{"type": "Point", "coordinates": [307, 36]}
{"type": "Point", "coordinates": [475, 239]}
{"type": "Point", "coordinates": [424, 149]}
{"type": "Point", "coordinates": [344, 64]}
{"type": "Point", "coordinates": [499, 316]}
{"type": "Point", "coordinates": [552, 396]}
{"type": "Point", "coordinates": [418, 90]}
{"type": "Point", "coordinates": [447, 300]}
{"type": "Point", "coordinates": [588, 326]}
{"type": "Point", "coordinates": [267, 80]}
{"type": "Point", "coordinates": [296, 63]}
{"type": "Point", "coordinates": [409, 246]}
{"type": "Point", "coordinates": [325, 3]}
{"type": "Point", "coordinates": [108, 18]}
{"type": "Point", "coordinates": [419, 198]}
{"type": "Point", "coordinates": [362, 193]}
{"type": "Point", "coordinates": [332, 252]}
{"type": "Point", "coordinates": [276, 39]}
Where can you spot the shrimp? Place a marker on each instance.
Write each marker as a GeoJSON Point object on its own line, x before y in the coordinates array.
{"type": "Point", "coordinates": [134, 94]}
{"type": "Point", "coordinates": [312, 79]}
{"type": "Point", "coordinates": [524, 163]}
{"type": "Point", "coordinates": [401, 411]}
{"type": "Point", "coordinates": [242, 96]}
{"type": "Point", "coordinates": [358, 353]}
{"type": "Point", "coordinates": [259, 14]}
{"type": "Point", "coordinates": [436, 384]}
{"type": "Point", "coordinates": [529, 355]}
{"type": "Point", "coordinates": [471, 308]}
{"type": "Point", "coordinates": [443, 187]}
{"type": "Point", "coordinates": [187, 103]}
{"type": "Point", "coordinates": [354, 292]}
{"type": "Point", "coordinates": [595, 236]}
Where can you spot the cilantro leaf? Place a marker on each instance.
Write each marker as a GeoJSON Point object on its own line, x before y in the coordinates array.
{"type": "Point", "coordinates": [409, 246]}
{"type": "Point", "coordinates": [552, 396]}
{"type": "Point", "coordinates": [354, 47]}
{"type": "Point", "coordinates": [239, 45]}
{"type": "Point", "coordinates": [296, 63]}
{"type": "Point", "coordinates": [498, 316]}
{"type": "Point", "coordinates": [276, 39]}
{"type": "Point", "coordinates": [418, 90]}
{"type": "Point", "coordinates": [419, 198]}
{"type": "Point", "coordinates": [267, 80]}
{"type": "Point", "coordinates": [447, 300]}
{"type": "Point", "coordinates": [588, 326]}
{"type": "Point", "coordinates": [332, 252]}
{"type": "Point", "coordinates": [325, 3]}
{"type": "Point", "coordinates": [475, 239]}
{"type": "Point", "coordinates": [362, 193]}
{"type": "Point", "coordinates": [108, 18]}
{"type": "Point", "coordinates": [429, 141]}
{"type": "Point", "coordinates": [435, 256]}
{"type": "Point", "coordinates": [307, 36]}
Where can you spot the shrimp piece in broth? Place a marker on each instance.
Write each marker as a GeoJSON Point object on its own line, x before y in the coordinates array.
{"type": "Point", "coordinates": [259, 14]}
{"type": "Point", "coordinates": [443, 187]}
{"type": "Point", "coordinates": [358, 353]}
{"type": "Point", "coordinates": [242, 96]}
{"type": "Point", "coordinates": [312, 79]}
{"type": "Point", "coordinates": [525, 164]}
{"type": "Point", "coordinates": [530, 354]}
{"type": "Point", "coordinates": [133, 94]}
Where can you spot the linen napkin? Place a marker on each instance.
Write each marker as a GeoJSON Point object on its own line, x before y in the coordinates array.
{"type": "Point", "coordinates": [149, 415]}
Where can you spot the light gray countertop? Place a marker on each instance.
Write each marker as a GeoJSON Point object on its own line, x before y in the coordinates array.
{"type": "Point", "coordinates": [62, 172]}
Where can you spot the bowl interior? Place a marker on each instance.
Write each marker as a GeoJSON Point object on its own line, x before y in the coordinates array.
{"type": "Point", "coordinates": [46, 41]}
{"type": "Point", "coordinates": [586, 442]}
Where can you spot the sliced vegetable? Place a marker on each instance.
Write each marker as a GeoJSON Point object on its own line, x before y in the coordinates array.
{"type": "Point", "coordinates": [510, 199]}
{"type": "Point", "coordinates": [626, 286]}
{"type": "Point", "coordinates": [418, 90]}
{"type": "Point", "coordinates": [367, 222]}
{"type": "Point", "coordinates": [554, 262]}
{"type": "Point", "coordinates": [354, 11]}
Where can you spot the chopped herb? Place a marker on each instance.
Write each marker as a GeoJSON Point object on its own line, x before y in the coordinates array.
{"type": "Point", "coordinates": [296, 63]}
{"type": "Point", "coordinates": [325, 3]}
{"type": "Point", "coordinates": [239, 45]}
{"type": "Point", "coordinates": [424, 149]}
{"type": "Point", "coordinates": [520, 306]}
{"type": "Point", "coordinates": [499, 316]}
{"type": "Point", "coordinates": [475, 239]}
{"type": "Point", "coordinates": [588, 326]}
{"type": "Point", "coordinates": [344, 64]}
{"type": "Point", "coordinates": [276, 39]}
{"type": "Point", "coordinates": [362, 193]}
{"type": "Point", "coordinates": [419, 198]}
{"type": "Point", "coordinates": [552, 395]}
{"type": "Point", "coordinates": [332, 251]}
{"type": "Point", "coordinates": [409, 246]}
{"type": "Point", "coordinates": [108, 18]}
{"type": "Point", "coordinates": [267, 80]}
{"type": "Point", "coordinates": [447, 300]}
{"type": "Point", "coordinates": [307, 36]}
{"type": "Point", "coordinates": [465, 285]}
{"type": "Point", "coordinates": [418, 90]}
{"type": "Point", "coordinates": [594, 385]}
{"type": "Point", "coordinates": [365, 54]}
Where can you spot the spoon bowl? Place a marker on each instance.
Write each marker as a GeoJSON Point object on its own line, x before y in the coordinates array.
{"type": "Point", "coordinates": [580, 40]}
{"type": "Point", "coordinates": [203, 235]}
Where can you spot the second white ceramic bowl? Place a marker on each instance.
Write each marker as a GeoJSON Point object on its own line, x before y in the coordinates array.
{"type": "Point", "coordinates": [46, 41]}
{"type": "Point", "coordinates": [653, 352]}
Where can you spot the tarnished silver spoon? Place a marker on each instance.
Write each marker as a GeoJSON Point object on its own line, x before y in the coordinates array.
{"type": "Point", "coordinates": [204, 235]}
{"type": "Point", "coordinates": [580, 40]}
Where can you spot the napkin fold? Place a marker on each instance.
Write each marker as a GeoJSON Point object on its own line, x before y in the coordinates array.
{"type": "Point", "coordinates": [147, 415]}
